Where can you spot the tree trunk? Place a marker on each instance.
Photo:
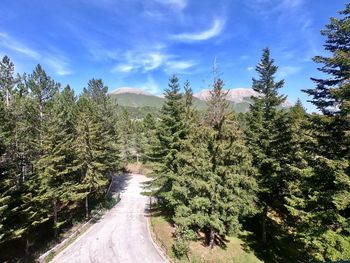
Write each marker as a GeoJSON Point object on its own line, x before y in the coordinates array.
{"type": "Point", "coordinates": [55, 218]}
{"type": "Point", "coordinates": [7, 98]}
{"type": "Point", "coordinates": [87, 207]}
{"type": "Point", "coordinates": [211, 237]}
{"type": "Point", "coordinates": [263, 233]}
{"type": "Point", "coordinates": [28, 245]}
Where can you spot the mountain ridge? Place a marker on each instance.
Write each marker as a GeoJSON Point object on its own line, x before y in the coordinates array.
{"type": "Point", "coordinates": [239, 98]}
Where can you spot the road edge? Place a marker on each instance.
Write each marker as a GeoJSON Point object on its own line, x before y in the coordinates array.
{"type": "Point", "coordinates": [160, 251]}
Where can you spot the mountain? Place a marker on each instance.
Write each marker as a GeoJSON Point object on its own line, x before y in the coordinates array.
{"type": "Point", "coordinates": [130, 90]}
{"type": "Point", "coordinates": [130, 97]}
{"type": "Point", "coordinates": [234, 95]}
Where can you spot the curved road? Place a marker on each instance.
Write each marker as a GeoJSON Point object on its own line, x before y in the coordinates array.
{"type": "Point", "coordinates": [121, 235]}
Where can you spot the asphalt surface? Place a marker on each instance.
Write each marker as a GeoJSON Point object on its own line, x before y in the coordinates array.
{"type": "Point", "coordinates": [121, 235]}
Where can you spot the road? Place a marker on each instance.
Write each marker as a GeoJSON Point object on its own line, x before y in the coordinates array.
{"type": "Point", "coordinates": [121, 235]}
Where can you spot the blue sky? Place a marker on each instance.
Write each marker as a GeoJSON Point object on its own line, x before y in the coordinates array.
{"type": "Point", "coordinates": [140, 43]}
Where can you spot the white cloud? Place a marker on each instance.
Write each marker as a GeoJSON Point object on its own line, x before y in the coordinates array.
{"type": "Point", "coordinates": [250, 68]}
{"type": "Point", "coordinates": [151, 86]}
{"type": "Point", "coordinates": [179, 4]}
{"type": "Point", "coordinates": [12, 44]}
{"type": "Point", "coordinates": [141, 60]}
{"type": "Point", "coordinates": [123, 68]}
{"type": "Point", "coordinates": [151, 59]}
{"type": "Point", "coordinates": [178, 66]}
{"type": "Point", "coordinates": [266, 7]}
{"type": "Point", "coordinates": [286, 71]}
{"type": "Point", "coordinates": [57, 62]}
{"type": "Point", "coordinates": [215, 30]}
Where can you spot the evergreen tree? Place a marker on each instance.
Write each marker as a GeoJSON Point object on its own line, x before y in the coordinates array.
{"type": "Point", "coordinates": [97, 91]}
{"type": "Point", "coordinates": [263, 135]}
{"type": "Point", "coordinates": [325, 211]}
{"type": "Point", "coordinates": [7, 79]}
{"type": "Point", "coordinates": [4, 193]}
{"type": "Point", "coordinates": [42, 89]}
{"type": "Point", "coordinates": [215, 186]}
{"type": "Point", "coordinates": [170, 132]}
{"type": "Point", "coordinates": [125, 130]}
{"type": "Point", "coordinates": [91, 151]}
{"type": "Point", "coordinates": [149, 127]}
{"type": "Point", "coordinates": [57, 168]}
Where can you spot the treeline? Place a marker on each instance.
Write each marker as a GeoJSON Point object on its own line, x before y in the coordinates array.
{"type": "Point", "coordinates": [213, 170]}
{"type": "Point", "coordinates": [57, 153]}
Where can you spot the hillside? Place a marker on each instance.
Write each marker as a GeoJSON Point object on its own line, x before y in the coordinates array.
{"type": "Point", "coordinates": [129, 98]}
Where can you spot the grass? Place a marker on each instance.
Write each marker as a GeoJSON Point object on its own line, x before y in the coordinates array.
{"type": "Point", "coordinates": [234, 252]}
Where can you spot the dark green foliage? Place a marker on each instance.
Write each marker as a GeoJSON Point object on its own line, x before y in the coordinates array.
{"type": "Point", "coordinates": [215, 186]}
{"type": "Point", "coordinates": [264, 132]}
{"type": "Point", "coordinates": [7, 80]}
{"type": "Point", "coordinates": [170, 132]}
{"type": "Point", "coordinates": [325, 208]}
{"type": "Point", "coordinates": [58, 166]}
{"type": "Point", "coordinates": [54, 152]}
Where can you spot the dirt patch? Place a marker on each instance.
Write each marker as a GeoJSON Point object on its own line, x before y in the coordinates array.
{"type": "Point", "coordinates": [138, 168]}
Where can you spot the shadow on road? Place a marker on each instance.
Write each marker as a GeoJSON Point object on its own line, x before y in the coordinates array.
{"type": "Point", "coordinates": [119, 183]}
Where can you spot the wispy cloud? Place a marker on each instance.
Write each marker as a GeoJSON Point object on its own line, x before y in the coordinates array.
{"type": "Point", "coordinates": [14, 45]}
{"type": "Point", "coordinates": [149, 60]}
{"type": "Point", "coordinates": [179, 4]}
{"type": "Point", "coordinates": [250, 68]}
{"type": "Point", "coordinates": [55, 61]}
{"type": "Point", "coordinates": [151, 85]}
{"type": "Point", "coordinates": [286, 71]}
{"type": "Point", "coordinates": [266, 7]}
{"type": "Point", "coordinates": [59, 64]}
{"type": "Point", "coordinates": [215, 30]}
{"type": "Point", "coordinates": [179, 66]}
{"type": "Point", "coordinates": [141, 60]}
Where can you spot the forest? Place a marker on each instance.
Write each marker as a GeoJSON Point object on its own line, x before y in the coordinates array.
{"type": "Point", "coordinates": [214, 171]}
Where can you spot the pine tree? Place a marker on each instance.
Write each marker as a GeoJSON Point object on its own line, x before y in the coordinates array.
{"type": "Point", "coordinates": [149, 127]}
{"type": "Point", "coordinates": [7, 79]}
{"type": "Point", "coordinates": [262, 133]}
{"type": "Point", "coordinates": [325, 211]}
{"type": "Point", "coordinates": [57, 168]}
{"type": "Point", "coordinates": [170, 132]}
{"type": "Point", "coordinates": [108, 119]}
{"type": "Point", "coordinates": [215, 186]}
{"type": "Point", "coordinates": [42, 88]}
{"type": "Point", "coordinates": [91, 151]}
{"type": "Point", "coordinates": [4, 193]}
{"type": "Point", "coordinates": [125, 131]}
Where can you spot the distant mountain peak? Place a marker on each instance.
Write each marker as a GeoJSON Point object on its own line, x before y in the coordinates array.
{"type": "Point", "coordinates": [130, 90]}
{"type": "Point", "coordinates": [235, 95]}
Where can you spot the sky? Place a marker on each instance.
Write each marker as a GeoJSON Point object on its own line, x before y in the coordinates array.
{"type": "Point", "coordinates": [140, 43]}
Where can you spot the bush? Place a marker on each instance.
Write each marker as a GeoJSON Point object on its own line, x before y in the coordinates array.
{"type": "Point", "coordinates": [180, 248]}
{"type": "Point", "coordinates": [109, 202]}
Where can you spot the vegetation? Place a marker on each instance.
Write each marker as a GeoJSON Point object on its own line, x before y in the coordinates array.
{"type": "Point", "coordinates": [273, 181]}
{"type": "Point", "coordinates": [286, 171]}
{"type": "Point", "coordinates": [57, 155]}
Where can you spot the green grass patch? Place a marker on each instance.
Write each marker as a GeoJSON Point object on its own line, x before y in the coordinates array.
{"type": "Point", "coordinates": [235, 250]}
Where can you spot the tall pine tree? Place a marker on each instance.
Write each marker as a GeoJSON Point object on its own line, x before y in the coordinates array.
{"type": "Point", "coordinates": [262, 133]}
{"type": "Point", "coordinates": [327, 208]}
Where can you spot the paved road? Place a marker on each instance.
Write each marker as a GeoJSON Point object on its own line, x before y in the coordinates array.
{"type": "Point", "coordinates": [121, 235]}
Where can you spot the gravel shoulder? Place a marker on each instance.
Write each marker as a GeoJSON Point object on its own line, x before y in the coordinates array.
{"type": "Point", "coordinates": [121, 235]}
